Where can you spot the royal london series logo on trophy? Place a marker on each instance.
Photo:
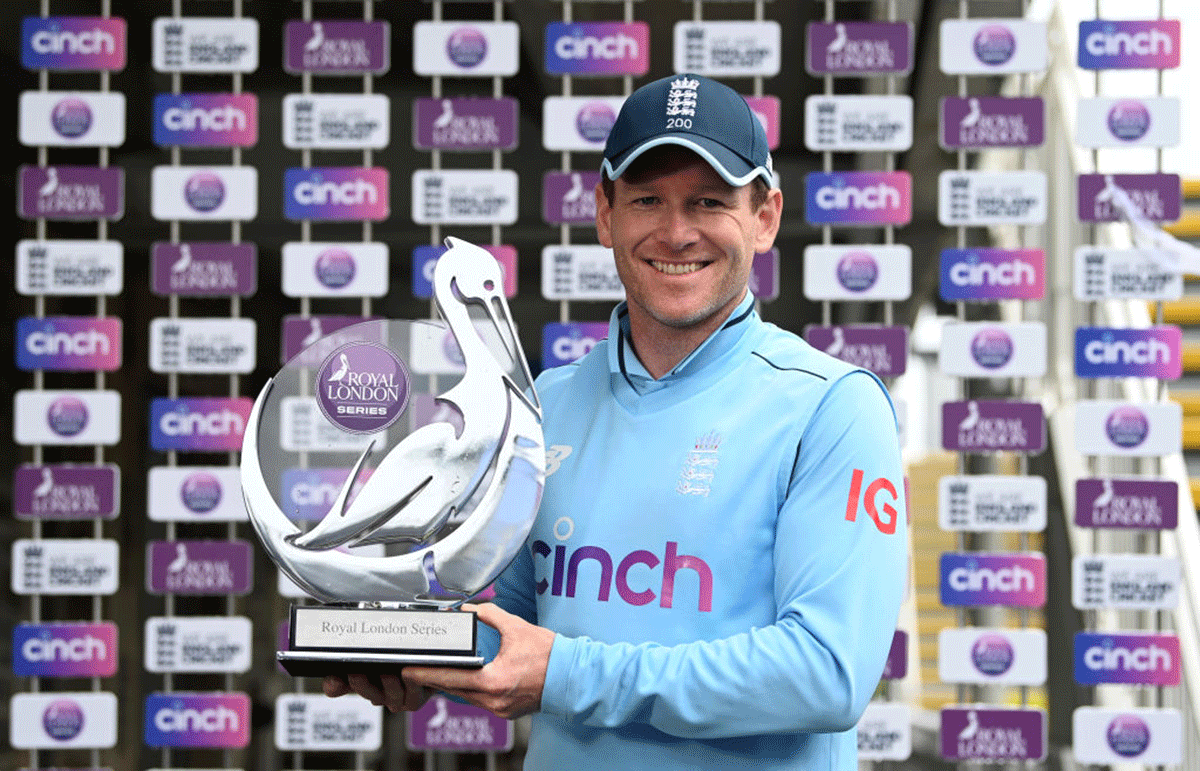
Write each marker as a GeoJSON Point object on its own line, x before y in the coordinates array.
{"type": "Point", "coordinates": [438, 430]}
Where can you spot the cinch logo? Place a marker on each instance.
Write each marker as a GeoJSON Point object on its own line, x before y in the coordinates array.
{"type": "Point", "coordinates": [848, 197]}
{"type": "Point", "coordinates": [1110, 42]}
{"type": "Point", "coordinates": [190, 720]}
{"type": "Point", "coordinates": [1008, 273]}
{"type": "Point", "coordinates": [618, 46]}
{"type": "Point", "coordinates": [226, 118]}
{"type": "Point", "coordinates": [86, 42]}
{"type": "Point", "coordinates": [1109, 351]}
{"type": "Point", "coordinates": [350, 193]}
{"type": "Point", "coordinates": [870, 499]}
{"type": "Point", "coordinates": [568, 348]}
{"type": "Point", "coordinates": [565, 576]}
{"type": "Point", "coordinates": [52, 649]}
{"type": "Point", "coordinates": [89, 342]}
{"type": "Point", "coordinates": [222, 422]}
{"type": "Point", "coordinates": [1149, 658]}
{"type": "Point", "coordinates": [975, 579]}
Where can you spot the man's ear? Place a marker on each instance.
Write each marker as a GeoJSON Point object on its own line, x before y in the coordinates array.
{"type": "Point", "coordinates": [603, 217]}
{"type": "Point", "coordinates": [769, 216]}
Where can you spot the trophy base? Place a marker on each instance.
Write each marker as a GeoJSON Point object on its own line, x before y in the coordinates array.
{"type": "Point", "coordinates": [347, 639]}
{"type": "Point", "coordinates": [321, 663]}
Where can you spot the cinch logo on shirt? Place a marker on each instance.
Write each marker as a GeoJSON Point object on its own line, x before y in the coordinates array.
{"type": "Point", "coordinates": [565, 577]}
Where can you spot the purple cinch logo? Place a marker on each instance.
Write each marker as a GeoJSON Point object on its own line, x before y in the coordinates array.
{"type": "Point", "coordinates": [204, 191]}
{"type": "Point", "coordinates": [71, 117]}
{"type": "Point", "coordinates": [201, 492]}
{"type": "Point", "coordinates": [1127, 426]}
{"type": "Point", "coordinates": [1128, 735]}
{"type": "Point", "coordinates": [594, 121]}
{"type": "Point", "coordinates": [992, 654]}
{"type": "Point", "coordinates": [67, 416]}
{"type": "Point", "coordinates": [992, 348]}
{"type": "Point", "coordinates": [63, 720]}
{"type": "Point", "coordinates": [994, 44]}
{"type": "Point", "coordinates": [857, 271]}
{"type": "Point", "coordinates": [1129, 120]}
{"type": "Point", "coordinates": [362, 388]}
{"type": "Point", "coordinates": [334, 268]}
{"type": "Point", "coordinates": [466, 47]}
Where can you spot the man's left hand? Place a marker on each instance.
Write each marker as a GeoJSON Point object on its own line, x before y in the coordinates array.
{"type": "Point", "coordinates": [511, 684]}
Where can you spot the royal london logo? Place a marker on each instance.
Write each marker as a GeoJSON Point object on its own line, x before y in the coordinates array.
{"type": "Point", "coordinates": [697, 474]}
{"type": "Point", "coordinates": [681, 99]}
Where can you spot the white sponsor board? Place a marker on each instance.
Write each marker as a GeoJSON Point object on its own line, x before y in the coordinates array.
{"type": "Point", "coordinates": [884, 272]}
{"type": "Point", "coordinates": [197, 644]}
{"type": "Point", "coordinates": [993, 349]}
{"type": "Point", "coordinates": [992, 655]}
{"type": "Point", "coordinates": [1125, 274]}
{"type": "Point", "coordinates": [195, 494]}
{"type": "Point", "coordinates": [62, 720]}
{"type": "Point", "coordinates": [205, 44]}
{"type": "Point", "coordinates": [858, 123]}
{"type": "Point", "coordinates": [723, 49]}
{"type": "Point", "coordinates": [992, 198]}
{"type": "Point", "coordinates": [336, 121]}
{"type": "Point", "coordinates": [992, 46]}
{"type": "Point", "coordinates": [1111, 427]}
{"type": "Point", "coordinates": [72, 118]}
{"type": "Point", "coordinates": [70, 267]}
{"type": "Point", "coordinates": [64, 566]}
{"type": "Point", "coordinates": [580, 273]}
{"type": "Point", "coordinates": [67, 417]}
{"type": "Point", "coordinates": [312, 722]}
{"type": "Point", "coordinates": [1127, 122]}
{"type": "Point", "coordinates": [202, 346]}
{"type": "Point", "coordinates": [1127, 581]}
{"type": "Point", "coordinates": [335, 269]}
{"type": "Point", "coordinates": [992, 503]}
{"type": "Point", "coordinates": [1141, 736]}
{"type": "Point", "coordinates": [304, 428]}
{"type": "Point", "coordinates": [885, 732]}
{"type": "Point", "coordinates": [578, 122]}
{"type": "Point", "coordinates": [204, 192]}
{"type": "Point", "coordinates": [464, 197]}
{"type": "Point", "coordinates": [474, 49]}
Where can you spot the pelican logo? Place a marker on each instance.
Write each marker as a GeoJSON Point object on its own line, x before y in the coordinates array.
{"type": "Point", "coordinates": [992, 734]}
{"type": "Point", "coordinates": [363, 387]}
{"type": "Point", "coordinates": [465, 124]}
{"type": "Point", "coordinates": [1128, 735]}
{"type": "Point", "coordinates": [854, 48]}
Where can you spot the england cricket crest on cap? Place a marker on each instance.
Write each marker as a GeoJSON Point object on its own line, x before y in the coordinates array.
{"type": "Point", "coordinates": [699, 466]}
{"type": "Point", "coordinates": [681, 101]}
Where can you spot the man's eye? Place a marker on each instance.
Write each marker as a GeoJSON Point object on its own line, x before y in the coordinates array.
{"type": "Point", "coordinates": [645, 200]}
{"type": "Point", "coordinates": [711, 203]}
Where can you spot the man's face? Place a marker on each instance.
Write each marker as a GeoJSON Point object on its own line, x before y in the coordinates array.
{"type": "Point", "coordinates": [684, 241]}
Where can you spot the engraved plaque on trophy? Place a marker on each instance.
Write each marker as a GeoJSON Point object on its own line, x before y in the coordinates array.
{"type": "Point", "coordinates": [392, 470]}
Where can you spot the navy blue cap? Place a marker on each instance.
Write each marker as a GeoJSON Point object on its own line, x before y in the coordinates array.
{"type": "Point", "coordinates": [707, 117]}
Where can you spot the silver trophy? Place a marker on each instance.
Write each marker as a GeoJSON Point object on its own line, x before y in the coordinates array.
{"type": "Point", "coordinates": [426, 439]}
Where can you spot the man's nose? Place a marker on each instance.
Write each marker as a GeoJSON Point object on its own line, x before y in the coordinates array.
{"type": "Point", "coordinates": [677, 230]}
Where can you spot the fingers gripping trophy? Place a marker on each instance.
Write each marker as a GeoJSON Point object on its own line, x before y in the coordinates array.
{"type": "Point", "coordinates": [425, 438]}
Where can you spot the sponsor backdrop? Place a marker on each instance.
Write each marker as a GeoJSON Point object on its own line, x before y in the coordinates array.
{"type": "Point", "coordinates": [201, 195]}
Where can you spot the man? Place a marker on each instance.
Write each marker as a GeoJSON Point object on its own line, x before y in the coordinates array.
{"type": "Point", "coordinates": [715, 572]}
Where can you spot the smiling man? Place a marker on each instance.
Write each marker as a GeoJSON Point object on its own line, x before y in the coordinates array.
{"type": "Point", "coordinates": [716, 569]}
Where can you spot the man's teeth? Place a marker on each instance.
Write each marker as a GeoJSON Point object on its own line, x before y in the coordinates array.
{"type": "Point", "coordinates": [676, 268]}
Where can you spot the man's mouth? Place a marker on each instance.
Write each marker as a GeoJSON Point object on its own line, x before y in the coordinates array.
{"type": "Point", "coordinates": [676, 268]}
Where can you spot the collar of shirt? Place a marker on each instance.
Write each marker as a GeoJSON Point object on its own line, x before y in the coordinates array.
{"type": "Point", "coordinates": [624, 363]}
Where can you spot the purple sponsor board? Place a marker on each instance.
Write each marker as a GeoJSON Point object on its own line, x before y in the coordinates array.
{"type": "Point", "coordinates": [199, 567]}
{"type": "Point", "coordinates": [1118, 352]}
{"type": "Point", "coordinates": [993, 274]}
{"type": "Point", "coordinates": [205, 120]}
{"type": "Point", "coordinates": [197, 720]}
{"type": "Point", "coordinates": [1141, 659]}
{"type": "Point", "coordinates": [569, 197]}
{"type": "Point", "coordinates": [764, 275]}
{"type": "Point", "coordinates": [767, 110]}
{"type": "Point", "coordinates": [336, 193]}
{"type": "Point", "coordinates": [336, 47]}
{"type": "Point", "coordinates": [447, 725]}
{"type": "Point", "coordinates": [597, 48]}
{"type": "Point", "coordinates": [1152, 44]}
{"type": "Point", "coordinates": [65, 650]}
{"type": "Point", "coordinates": [1151, 504]}
{"type": "Point", "coordinates": [201, 424]}
{"type": "Point", "coordinates": [1159, 197]}
{"type": "Point", "coordinates": [896, 665]}
{"type": "Point", "coordinates": [71, 192]}
{"type": "Point", "coordinates": [991, 121]}
{"type": "Point", "coordinates": [1015, 580]}
{"type": "Point", "coordinates": [69, 343]}
{"type": "Point", "coordinates": [974, 733]}
{"type": "Point", "coordinates": [859, 48]}
{"type": "Point", "coordinates": [858, 198]}
{"type": "Point", "coordinates": [302, 333]}
{"type": "Point", "coordinates": [309, 493]}
{"type": "Point", "coordinates": [563, 343]}
{"type": "Point", "coordinates": [465, 124]}
{"type": "Point", "coordinates": [204, 269]}
{"type": "Point", "coordinates": [882, 350]}
{"type": "Point", "coordinates": [989, 426]}
{"type": "Point", "coordinates": [73, 43]}
{"type": "Point", "coordinates": [66, 491]}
